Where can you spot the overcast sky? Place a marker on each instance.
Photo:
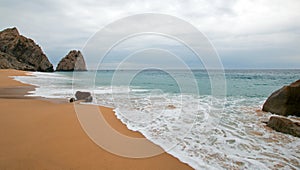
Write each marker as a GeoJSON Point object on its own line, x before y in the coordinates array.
{"type": "Point", "coordinates": [245, 33]}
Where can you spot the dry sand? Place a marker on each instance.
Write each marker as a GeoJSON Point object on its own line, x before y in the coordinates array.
{"type": "Point", "coordinates": [42, 134]}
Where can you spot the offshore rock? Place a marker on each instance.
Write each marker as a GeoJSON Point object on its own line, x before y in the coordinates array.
{"type": "Point", "coordinates": [74, 61]}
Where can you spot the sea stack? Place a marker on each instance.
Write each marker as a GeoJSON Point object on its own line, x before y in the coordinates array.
{"type": "Point", "coordinates": [74, 61]}
{"type": "Point", "coordinates": [285, 101]}
{"type": "Point", "coordinates": [21, 53]}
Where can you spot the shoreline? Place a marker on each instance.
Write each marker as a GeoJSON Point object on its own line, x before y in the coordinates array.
{"type": "Point", "coordinates": [43, 133]}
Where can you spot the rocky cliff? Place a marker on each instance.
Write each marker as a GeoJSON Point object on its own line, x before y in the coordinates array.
{"type": "Point", "coordinates": [21, 53]}
{"type": "Point", "coordinates": [74, 61]}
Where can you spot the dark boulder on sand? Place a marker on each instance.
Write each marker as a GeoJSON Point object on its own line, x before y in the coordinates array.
{"type": "Point", "coordinates": [285, 101]}
{"type": "Point", "coordinates": [73, 61]}
{"type": "Point", "coordinates": [71, 100]}
{"type": "Point", "coordinates": [21, 53]}
{"type": "Point", "coordinates": [284, 125]}
{"type": "Point", "coordinates": [86, 96]}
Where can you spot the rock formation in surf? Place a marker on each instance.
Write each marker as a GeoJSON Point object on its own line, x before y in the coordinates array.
{"type": "Point", "coordinates": [86, 96]}
{"type": "Point", "coordinates": [74, 61]}
{"type": "Point", "coordinates": [284, 125]}
{"type": "Point", "coordinates": [21, 53]}
{"type": "Point", "coordinates": [285, 101]}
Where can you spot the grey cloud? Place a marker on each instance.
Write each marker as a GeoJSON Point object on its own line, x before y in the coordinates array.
{"type": "Point", "coordinates": [233, 26]}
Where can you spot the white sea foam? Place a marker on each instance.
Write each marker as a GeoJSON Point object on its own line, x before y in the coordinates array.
{"type": "Point", "coordinates": [197, 130]}
{"type": "Point", "coordinates": [233, 138]}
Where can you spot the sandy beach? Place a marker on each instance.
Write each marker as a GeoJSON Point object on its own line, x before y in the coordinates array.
{"type": "Point", "coordinates": [38, 133]}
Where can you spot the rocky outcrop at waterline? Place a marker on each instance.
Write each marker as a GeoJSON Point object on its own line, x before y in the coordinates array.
{"type": "Point", "coordinates": [284, 125]}
{"type": "Point", "coordinates": [85, 96]}
{"type": "Point", "coordinates": [21, 53]}
{"type": "Point", "coordinates": [74, 61]}
{"type": "Point", "coordinates": [285, 101]}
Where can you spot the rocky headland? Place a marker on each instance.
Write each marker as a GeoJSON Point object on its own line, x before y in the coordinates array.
{"type": "Point", "coordinates": [21, 53]}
